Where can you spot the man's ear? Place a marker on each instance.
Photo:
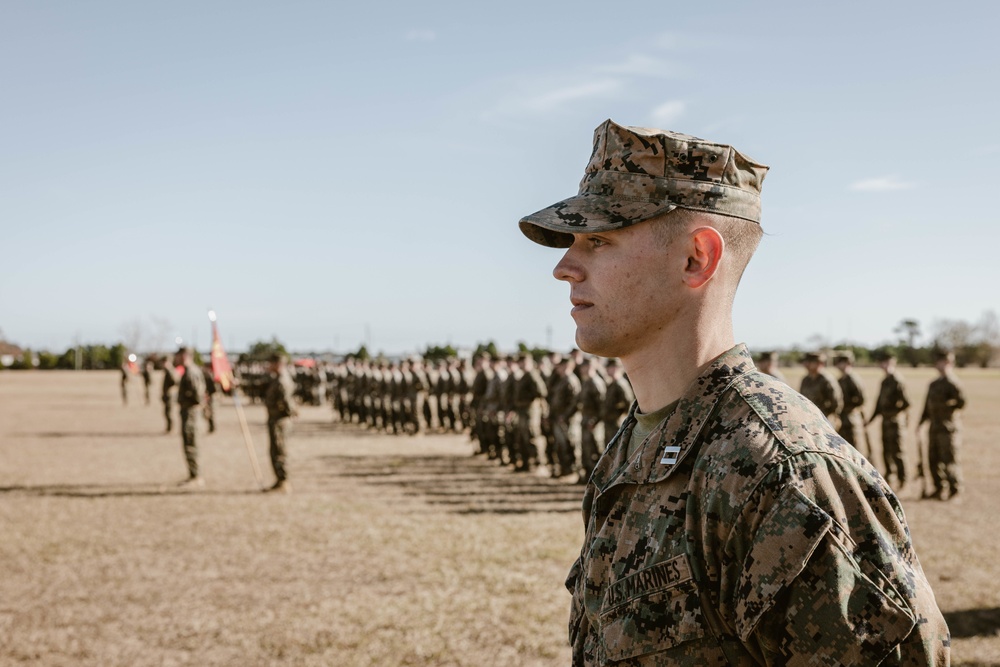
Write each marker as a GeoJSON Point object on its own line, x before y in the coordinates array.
{"type": "Point", "coordinates": [705, 250]}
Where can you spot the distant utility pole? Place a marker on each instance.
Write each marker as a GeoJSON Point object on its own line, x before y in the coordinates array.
{"type": "Point", "coordinates": [548, 337]}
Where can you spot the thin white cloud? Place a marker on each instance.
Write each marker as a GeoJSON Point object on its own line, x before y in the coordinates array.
{"type": "Point", "coordinates": [676, 41]}
{"type": "Point", "coordinates": [551, 100]}
{"type": "Point", "coordinates": [668, 112]}
{"type": "Point", "coordinates": [640, 65]}
{"type": "Point", "coordinates": [881, 184]}
{"type": "Point", "coordinates": [421, 35]}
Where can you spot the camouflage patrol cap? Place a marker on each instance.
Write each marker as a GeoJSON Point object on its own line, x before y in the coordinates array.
{"type": "Point", "coordinates": [942, 354]}
{"type": "Point", "coordinates": [636, 174]}
{"type": "Point", "coordinates": [843, 356]}
{"type": "Point", "coordinates": [883, 354]}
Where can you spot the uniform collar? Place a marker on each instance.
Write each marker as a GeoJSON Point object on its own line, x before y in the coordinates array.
{"type": "Point", "coordinates": [669, 443]}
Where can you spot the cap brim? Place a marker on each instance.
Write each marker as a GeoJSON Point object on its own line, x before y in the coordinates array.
{"type": "Point", "coordinates": [585, 214]}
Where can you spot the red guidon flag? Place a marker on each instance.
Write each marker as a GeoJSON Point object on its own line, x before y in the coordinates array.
{"type": "Point", "coordinates": [222, 371]}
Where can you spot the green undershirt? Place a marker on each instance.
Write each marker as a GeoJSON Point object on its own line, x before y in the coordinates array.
{"type": "Point", "coordinates": [646, 424]}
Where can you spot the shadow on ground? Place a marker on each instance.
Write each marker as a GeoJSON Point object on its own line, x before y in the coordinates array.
{"type": "Point", "coordinates": [974, 623]}
{"type": "Point", "coordinates": [461, 484]}
{"type": "Point", "coordinates": [117, 491]}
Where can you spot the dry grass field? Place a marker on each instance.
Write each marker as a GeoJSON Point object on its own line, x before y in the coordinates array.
{"type": "Point", "coordinates": [390, 551]}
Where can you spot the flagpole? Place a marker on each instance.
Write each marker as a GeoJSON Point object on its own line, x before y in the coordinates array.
{"type": "Point", "coordinates": [246, 437]}
{"type": "Point", "coordinates": [223, 373]}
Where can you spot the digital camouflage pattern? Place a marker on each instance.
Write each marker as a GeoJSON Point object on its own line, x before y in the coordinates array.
{"type": "Point", "coordinates": [744, 531]}
{"type": "Point", "coordinates": [190, 398]}
{"type": "Point", "coordinates": [852, 421]}
{"type": "Point", "coordinates": [638, 173]}
{"type": "Point", "coordinates": [824, 391]}
{"type": "Point", "coordinates": [944, 437]}
{"type": "Point", "coordinates": [279, 398]}
{"type": "Point", "coordinates": [891, 406]}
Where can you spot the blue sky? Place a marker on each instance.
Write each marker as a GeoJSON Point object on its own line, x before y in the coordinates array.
{"type": "Point", "coordinates": [333, 173]}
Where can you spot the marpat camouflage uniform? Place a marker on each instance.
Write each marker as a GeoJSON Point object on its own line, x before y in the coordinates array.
{"type": "Point", "coordinates": [564, 404]}
{"type": "Point", "coordinates": [852, 422]}
{"type": "Point", "coordinates": [944, 399]}
{"type": "Point", "coordinates": [891, 406]}
{"type": "Point", "coordinates": [191, 399]}
{"type": "Point", "coordinates": [279, 398]}
{"type": "Point", "coordinates": [744, 529]}
{"type": "Point", "coordinates": [592, 391]}
{"type": "Point", "coordinates": [824, 391]}
{"type": "Point", "coordinates": [617, 402]}
{"type": "Point", "coordinates": [169, 381]}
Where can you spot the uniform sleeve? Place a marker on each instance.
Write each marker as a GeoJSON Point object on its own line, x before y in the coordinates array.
{"type": "Point", "coordinates": [812, 590]}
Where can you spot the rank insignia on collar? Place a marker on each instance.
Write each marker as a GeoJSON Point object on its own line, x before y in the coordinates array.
{"type": "Point", "coordinates": [670, 453]}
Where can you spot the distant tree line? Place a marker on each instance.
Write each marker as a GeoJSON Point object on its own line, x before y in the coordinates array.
{"type": "Point", "coordinates": [974, 344]}
{"type": "Point", "coordinates": [84, 357]}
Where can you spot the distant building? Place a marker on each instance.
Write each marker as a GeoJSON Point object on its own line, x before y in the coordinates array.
{"type": "Point", "coordinates": [9, 353]}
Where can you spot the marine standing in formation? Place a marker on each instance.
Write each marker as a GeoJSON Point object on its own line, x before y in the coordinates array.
{"type": "Point", "coordinates": [126, 372]}
{"type": "Point", "coordinates": [592, 441]}
{"type": "Point", "coordinates": [564, 402]}
{"type": "Point", "coordinates": [617, 400]}
{"type": "Point", "coordinates": [147, 376]}
{"type": "Point", "coordinates": [820, 388]}
{"type": "Point", "coordinates": [944, 437]}
{"type": "Point", "coordinates": [891, 405]}
{"type": "Point", "coordinates": [767, 362]}
{"type": "Point", "coordinates": [742, 529]}
{"type": "Point", "coordinates": [190, 399]}
{"type": "Point", "coordinates": [852, 420]}
{"type": "Point", "coordinates": [280, 402]}
{"type": "Point", "coordinates": [166, 393]}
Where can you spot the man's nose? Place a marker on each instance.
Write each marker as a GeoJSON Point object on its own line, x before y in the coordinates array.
{"type": "Point", "coordinates": [568, 268]}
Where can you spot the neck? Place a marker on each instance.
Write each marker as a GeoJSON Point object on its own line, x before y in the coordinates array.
{"type": "Point", "coordinates": [661, 372]}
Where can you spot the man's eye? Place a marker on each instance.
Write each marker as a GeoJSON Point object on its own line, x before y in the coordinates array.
{"type": "Point", "coordinates": [596, 242]}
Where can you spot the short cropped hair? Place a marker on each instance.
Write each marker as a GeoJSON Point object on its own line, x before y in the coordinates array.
{"type": "Point", "coordinates": [741, 236]}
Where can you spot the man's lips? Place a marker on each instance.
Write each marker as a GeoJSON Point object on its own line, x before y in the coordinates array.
{"type": "Point", "coordinates": [579, 305]}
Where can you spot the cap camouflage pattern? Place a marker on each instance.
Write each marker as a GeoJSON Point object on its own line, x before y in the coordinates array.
{"type": "Point", "coordinates": [841, 356]}
{"type": "Point", "coordinates": [637, 173]}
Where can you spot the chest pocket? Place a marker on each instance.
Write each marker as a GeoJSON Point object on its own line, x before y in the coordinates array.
{"type": "Point", "coordinates": [652, 610]}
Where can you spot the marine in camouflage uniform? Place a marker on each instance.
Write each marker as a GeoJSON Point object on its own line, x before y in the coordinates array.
{"type": "Point", "coordinates": [490, 411]}
{"type": "Point", "coordinates": [210, 390]}
{"type": "Point", "coordinates": [592, 392]}
{"type": "Point", "coordinates": [820, 388]}
{"type": "Point", "coordinates": [166, 395]}
{"type": "Point", "coordinates": [767, 362]}
{"type": "Point", "coordinates": [147, 377]}
{"type": "Point", "coordinates": [944, 399]}
{"type": "Point", "coordinates": [483, 374]}
{"type": "Point", "coordinates": [280, 402]}
{"type": "Point", "coordinates": [564, 405]}
{"type": "Point", "coordinates": [891, 406]}
{"type": "Point", "coordinates": [528, 393]}
{"type": "Point", "coordinates": [741, 529]}
{"type": "Point", "coordinates": [191, 399]}
{"type": "Point", "coordinates": [799, 555]}
{"type": "Point", "coordinates": [617, 400]}
{"type": "Point", "coordinates": [852, 421]}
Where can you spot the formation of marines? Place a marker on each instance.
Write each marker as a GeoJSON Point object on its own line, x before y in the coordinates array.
{"type": "Point", "coordinates": [841, 401]}
{"type": "Point", "coordinates": [560, 409]}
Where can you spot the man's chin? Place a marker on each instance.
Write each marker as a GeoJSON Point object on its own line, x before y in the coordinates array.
{"type": "Point", "coordinates": [592, 344]}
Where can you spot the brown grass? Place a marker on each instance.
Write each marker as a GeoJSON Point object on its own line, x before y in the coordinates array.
{"type": "Point", "coordinates": [391, 551]}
